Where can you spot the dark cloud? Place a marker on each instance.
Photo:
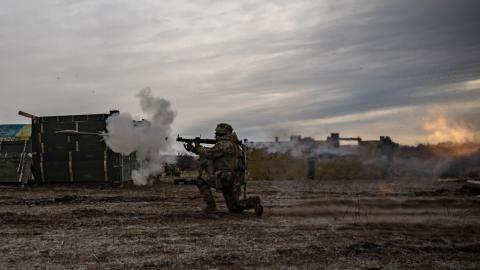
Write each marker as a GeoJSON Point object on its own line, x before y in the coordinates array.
{"type": "Point", "coordinates": [401, 53]}
{"type": "Point", "coordinates": [257, 65]}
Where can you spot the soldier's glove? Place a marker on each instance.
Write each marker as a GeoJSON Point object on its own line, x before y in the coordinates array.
{"type": "Point", "coordinates": [189, 147]}
{"type": "Point", "coordinates": [196, 146]}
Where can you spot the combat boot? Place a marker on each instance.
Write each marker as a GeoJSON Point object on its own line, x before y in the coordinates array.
{"type": "Point", "coordinates": [258, 209]}
{"type": "Point", "coordinates": [209, 210]}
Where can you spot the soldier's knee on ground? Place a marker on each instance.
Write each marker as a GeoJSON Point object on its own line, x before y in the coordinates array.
{"type": "Point", "coordinates": [235, 207]}
{"type": "Point", "coordinates": [233, 204]}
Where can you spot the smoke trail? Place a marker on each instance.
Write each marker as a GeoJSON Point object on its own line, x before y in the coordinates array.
{"type": "Point", "coordinates": [148, 139]}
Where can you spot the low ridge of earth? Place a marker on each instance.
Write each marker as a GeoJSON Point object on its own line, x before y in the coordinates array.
{"type": "Point", "coordinates": [384, 224]}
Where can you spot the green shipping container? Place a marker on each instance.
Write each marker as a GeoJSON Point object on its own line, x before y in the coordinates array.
{"type": "Point", "coordinates": [60, 158]}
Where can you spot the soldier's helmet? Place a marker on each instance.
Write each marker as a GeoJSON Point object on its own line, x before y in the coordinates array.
{"type": "Point", "coordinates": [223, 129]}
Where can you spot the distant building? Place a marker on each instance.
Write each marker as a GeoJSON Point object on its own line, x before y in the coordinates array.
{"type": "Point", "coordinates": [314, 151]}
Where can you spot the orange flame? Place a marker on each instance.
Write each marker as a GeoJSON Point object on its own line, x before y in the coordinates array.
{"type": "Point", "coordinates": [442, 129]}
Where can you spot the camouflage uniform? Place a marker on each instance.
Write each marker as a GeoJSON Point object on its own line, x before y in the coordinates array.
{"type": "Point", "coordinates": [223, 172]}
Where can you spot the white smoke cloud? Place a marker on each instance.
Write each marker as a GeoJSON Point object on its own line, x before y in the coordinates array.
{"type": "Point", "coordinates": [148, 139]}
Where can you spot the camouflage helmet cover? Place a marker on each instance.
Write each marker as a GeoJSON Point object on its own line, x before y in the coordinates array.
{"type": "Point", "coordinates": [224, 128]}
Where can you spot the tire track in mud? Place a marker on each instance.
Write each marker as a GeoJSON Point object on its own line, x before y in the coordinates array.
{"type": "Point", "coordinates": [81, 199]}
{"type": "Point", "coordinates": [384, 209]}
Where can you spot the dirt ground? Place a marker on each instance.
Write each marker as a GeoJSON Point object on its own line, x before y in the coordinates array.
{"type": "Point", "coordinates": [394, 224]}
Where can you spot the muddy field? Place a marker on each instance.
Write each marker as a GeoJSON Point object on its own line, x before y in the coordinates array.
{"type": "Point", "coordinates": [401, 224]}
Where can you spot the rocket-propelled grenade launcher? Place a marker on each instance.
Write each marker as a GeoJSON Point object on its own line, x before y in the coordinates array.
{"type": "Point", "coordinates": [199, 140]}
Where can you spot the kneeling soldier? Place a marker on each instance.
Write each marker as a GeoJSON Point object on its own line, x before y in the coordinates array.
{"type": "Point", "coordinates": [225, 156]}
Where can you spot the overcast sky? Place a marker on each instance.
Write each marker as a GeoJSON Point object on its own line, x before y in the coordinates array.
{"type": "Point", "coordinates": [361, 68]}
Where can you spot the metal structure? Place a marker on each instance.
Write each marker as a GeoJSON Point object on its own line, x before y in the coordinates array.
{"type": "Point", "coordinates": [67, 157]}
{"type": "Point", "coordinates": [334, 139]}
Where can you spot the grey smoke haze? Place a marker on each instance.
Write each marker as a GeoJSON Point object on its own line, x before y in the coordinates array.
{"type": "Point", "coordinates": [361, 68]}
{"type": "Point", "coordinates": [148, 139]}
{"type": "Point", "coordinates": [302, 149]}
{"type": "Point", "coordinates": [279, 132]}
